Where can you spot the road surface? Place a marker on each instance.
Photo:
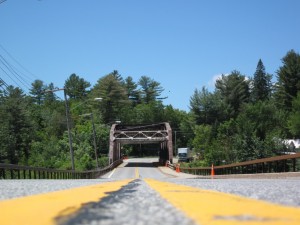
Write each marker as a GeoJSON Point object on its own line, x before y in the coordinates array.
{"type": "Point", "coordinates": [137, 192]}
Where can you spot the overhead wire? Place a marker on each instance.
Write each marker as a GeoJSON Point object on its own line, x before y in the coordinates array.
{"type": "Point", "coordinates": [1, 1]}
{"type": "Point", "coordinates": [16, 61]}
{"type": "Point", "coordinates": [3, 83]}
{"type": "Point", "coordinates": [4, 71]}
{"type": "Point", "coordinates": [12, 71]}
{"type": "Point", "coordinates": [15, 71]}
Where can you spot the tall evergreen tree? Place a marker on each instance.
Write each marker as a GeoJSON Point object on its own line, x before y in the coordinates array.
{"type": "Point", "coordinates": [76, 87]}
{"type": "Point", "coordinates": [294, 119]}
{"type": "Point", "coordinates": [288, 77]}
{"type": "Point", "coordinates": [261, 89]}
{"type": "Point", "coordinates": [131, 87]}
{"type": "Point", "coordinates": [206, 106]}
{"type": "Point", "coordinates": [114, 96]}
{"type": "Point", "coordinates": [234, 90]}
{"type": "Point", "coordinates": [117, 76]}
{"type": "Point", "coordinates": [15, 131]}
{"type": "Point", "coordinates": [50, 96]}
{"type": "Point", "coordinates": [151, 89]}
{"type": "Point", "coordinates": [38, 91]}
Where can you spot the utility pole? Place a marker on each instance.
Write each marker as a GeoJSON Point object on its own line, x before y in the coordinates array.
{"type": "Point", "coordinates": [175, 144]}
{"type": "Point", "coordinates": [69, 130]}
{"type": "Point", "coordinates": [95, 144]}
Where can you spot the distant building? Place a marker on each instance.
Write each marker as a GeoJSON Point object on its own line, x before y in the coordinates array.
{"type": "Point", "coordinates": [292, 143]}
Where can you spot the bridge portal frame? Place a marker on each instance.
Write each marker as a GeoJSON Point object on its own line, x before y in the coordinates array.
{"type": "Point", "coordinates": [141, 134]}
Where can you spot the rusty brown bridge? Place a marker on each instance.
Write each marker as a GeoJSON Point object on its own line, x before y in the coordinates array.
{"type": "Point", "coordinates": [160, 133]}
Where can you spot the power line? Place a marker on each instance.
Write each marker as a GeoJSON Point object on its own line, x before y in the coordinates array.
{"type": "Point", "coordinates": [16, 61]}
{"type": "Point", "coordinates": [15, 71]}
{"type": "Point", "coordinates": [11, 69]}
{"type": "Point", "coordinates": [9, 76]}
{"type": "Point", "coordinates": [3, 83]}
{"type": "Point", "coordinates": [1, 1]}
{"type": "Point", "coordinates": [19, 74]}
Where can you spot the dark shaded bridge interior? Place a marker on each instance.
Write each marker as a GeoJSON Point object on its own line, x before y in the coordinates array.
{"type": "Point", "coordinates": [160, 133]}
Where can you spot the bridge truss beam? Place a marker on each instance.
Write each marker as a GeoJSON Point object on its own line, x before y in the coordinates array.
{"type": "Point", "coordinates": [141, 134]}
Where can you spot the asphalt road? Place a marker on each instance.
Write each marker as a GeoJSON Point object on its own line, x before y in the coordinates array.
{"type": "Point", "coordinates": [139, 203]}
{"type": "Point", "coordinates": [137, 168]}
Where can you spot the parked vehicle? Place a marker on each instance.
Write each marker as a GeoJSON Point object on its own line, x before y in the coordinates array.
{"type": "Point", "coordinates": [184, 155]}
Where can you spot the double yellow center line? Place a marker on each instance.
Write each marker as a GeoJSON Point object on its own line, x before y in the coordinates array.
{"type": "Point", "coordinates": [203, 206]}
{"type": "Point", "coordinates": [216, 208]}
{"type": "Point", "coordinates": [137, 175]}
{"type": "Point", "coordinates": [44, 209]}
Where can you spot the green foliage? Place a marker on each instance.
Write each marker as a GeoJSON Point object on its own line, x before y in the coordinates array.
{"type": "Point", "coordinates": [132, 93]}
{"type": "Point", "coordinates": [52, 153]}
{"type": "Point", "coordinates": [206, 106]}
{"type": "Point", "coordinates": [240, 120]}
{"type": "Point", "coordinates": [294, 118]}
{"type": "Point", "coordinates": [147, 113]}
{"type": "Point", "coordinates": [193, 164]}
{"type": "Point", "coordinates": [103, 162]}
{"type": "Point", "coordinates": [202, 139]}
{"type": "Point", "coordinates": [288, 80]}
{"type": "Point", "coordinates": [234, 91]}
{"type": "Point", "coordinates": [38, 91]}
{"type": "Point", "coordinates": [15, 127]}
{"type": "Point", "coordinates": [114, 97]}
{"type": "Point", "coordinates": [225, 140]}
{"type": "Point", "coordinates": [150, 89]}
{"type": "Point", "coordinates": [260, 117]}
{"type": "Point", "coordinates": [76, 87]}
{"type": "Point", "coordinates": [262, 86]}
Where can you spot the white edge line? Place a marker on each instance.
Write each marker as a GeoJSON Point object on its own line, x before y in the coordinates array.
{"type": "Point", "coordinates": [112, 173]}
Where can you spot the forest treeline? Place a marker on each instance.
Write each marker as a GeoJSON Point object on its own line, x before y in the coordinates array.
{"type": "Point", "coordinates": [245, 117]}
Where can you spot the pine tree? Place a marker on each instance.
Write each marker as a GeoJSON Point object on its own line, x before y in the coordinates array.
{"type": "Point", "coordinates": [151, 89]}
{"type": "Point", "coordinates": [261, 89]}
{"type": "Point", "coordinates": [76, 87]}
{"type": "Point", "coordinates": [206, 106]}
{"type": "Point", "coordinates": [131, 87]}
{"type": "Point", "coordinates": [15, 129]}
{"type": "Point", "coordinates": [113, 94]}
{"type": "Point", "coordinates": [38, 91]}
{"type": "Point", "coordinates": [288, 77]}
{"type": "Point", "coordinates": [234, 90]}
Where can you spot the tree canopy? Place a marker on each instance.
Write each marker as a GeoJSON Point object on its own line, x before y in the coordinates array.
{"type": "Point", "coordinates": [243, 118]}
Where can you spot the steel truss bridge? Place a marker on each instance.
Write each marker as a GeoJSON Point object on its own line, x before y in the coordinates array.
{"type": "Point", "coordinates": [160, 133]}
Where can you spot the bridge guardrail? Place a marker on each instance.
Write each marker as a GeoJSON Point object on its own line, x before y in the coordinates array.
{"type": "Point", "coordinates": [170, 165]}
{"type": "Point", "coordinates": [284, 163]}
{"type": "Point", "coordinates": [11, 171]}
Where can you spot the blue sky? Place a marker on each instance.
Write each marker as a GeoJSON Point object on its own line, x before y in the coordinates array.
{"type": "Point", "coordinates": [183, 44]}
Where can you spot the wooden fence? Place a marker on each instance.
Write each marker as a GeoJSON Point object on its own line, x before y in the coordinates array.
{"type": "Point", "coordinates": [277, 164]}
{"type": "Point", "coordinates": [10, 171]}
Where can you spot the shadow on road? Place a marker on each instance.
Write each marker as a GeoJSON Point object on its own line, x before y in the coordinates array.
{"type": "Point", "coordinates": [142, 164]}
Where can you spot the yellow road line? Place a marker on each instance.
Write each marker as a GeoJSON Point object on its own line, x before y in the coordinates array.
{"type": "Point", "coordinates": [137, 175]}
{"type": "Point", "coordinates": [216, 208]}
{"type": "Point", "coordinates": [45, 208]}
